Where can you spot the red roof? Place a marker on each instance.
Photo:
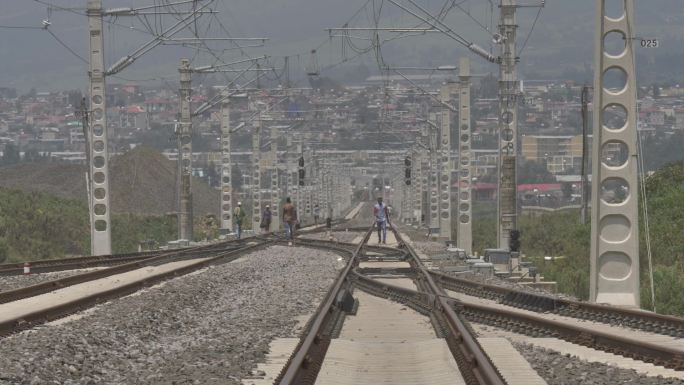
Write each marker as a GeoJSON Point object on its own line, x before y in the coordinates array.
{"type": "Point", "coordinates": [134, 110]}
{"type": "Point", "coordinates": [539, 186]}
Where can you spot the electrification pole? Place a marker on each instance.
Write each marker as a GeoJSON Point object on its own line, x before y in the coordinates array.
{"type": "Point", "coordinates": [417, 186]}
{"type": "Point", "coordinates": [226, 169]}
{"type": "Point", "coordinates": [614, 264]}
{"type": "Point", "coordinates": [256, 173]}
{"type": "Point", "coordinates": [508, 124]}
{"type": "Point", "coordinates": [185, 214]}
{"type": "Point", "coordinates": [275, 185]}
{"type": "Point", "coordinates": [584, 210]}
{"type": "Point", "coordinates": [100, 229]}
{"type": "Point", "coordinates": [433, 195]}
{"type": "Point", "coordinates": [465, 218]}
{"type": "Point", "coordinates": [445, 164]}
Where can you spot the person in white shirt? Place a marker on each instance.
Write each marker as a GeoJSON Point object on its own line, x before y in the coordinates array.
{"type": "Point", "coordinates": [381, 213]}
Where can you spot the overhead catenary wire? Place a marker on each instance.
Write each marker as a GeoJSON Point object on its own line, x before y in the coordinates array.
{"type": "Point", "coordinates": [527, 38]}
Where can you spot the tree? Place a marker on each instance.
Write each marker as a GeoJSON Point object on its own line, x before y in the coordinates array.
{"type": "Point", "coordinates": [4, 250]}
{"type": "Point", "coordinates": [11, 155]}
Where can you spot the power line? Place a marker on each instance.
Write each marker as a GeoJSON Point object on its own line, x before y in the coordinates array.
{"type": "Point", "coordinates": [19, 27]}
{"type": "Point", "coordinates": [531, 30]}
{"type": "Point", "coordinates": [63, 44]}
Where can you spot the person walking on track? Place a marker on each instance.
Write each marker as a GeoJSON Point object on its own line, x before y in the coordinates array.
{"type": "Point", "coordinates": [381, 214]}
{"type": "Point", "coordinates": [317, 214]}
{"type": "Point", "coordinates": [266, 217]}
{"type": "Point", "coordinates": [289, 219]}
{"type": "Point", "coordinates": [239, 215]}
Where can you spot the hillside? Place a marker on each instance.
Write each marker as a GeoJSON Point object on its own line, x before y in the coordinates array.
{"type": "Point", "coordinates": [142, 181]}
{"type": "Point", "coordinates": [561, 234]}
{"type": "Point", "coordinates": [37, 225]}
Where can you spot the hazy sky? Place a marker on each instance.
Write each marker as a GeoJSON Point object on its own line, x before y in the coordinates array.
{"type": "Point", "coordinates": [34, 58]}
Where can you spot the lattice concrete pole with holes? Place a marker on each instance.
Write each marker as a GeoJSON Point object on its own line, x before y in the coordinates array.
{"type": "Point", "coordinates": [417, 185]}
{"type": "Point", "coordinates": [100, 225]}
{"type": "Point", "coordinates": [317, 175]}
{"type": "Point", "coordinates": [337, 191]}
{"type": "Point", "coordinates": [226, 170]}
{"type": "Point", "coordinates": [614, 215]}
{"type": "Point", "coordinates": [433, 194]}
{"type": "Point", "coordinates": [327, 189]}
{"type": "Point", "coordinates": [445, 164]}
{"type": "Point", "coordinates": [185, 215]}
{"type": "Point", "coordinates": [348, 188]}
{"type": "Point", "coordinates": [300, 183]}
{"type": "Point", "coordinates": [508, 124]}
{"type": "Point", "coordinates": [464, 219]}
{"type": "Point", "coordinates": [256, 174]}
{"type": "Point", "coordinates": [275, 185]}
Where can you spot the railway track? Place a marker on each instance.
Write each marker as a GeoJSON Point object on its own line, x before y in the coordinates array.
{"type": "Point", "coordinates": [465, 359]}
{"type": "Point", "coordinates": [15, 315]}
{"type": "Point", "coordinates": [153, 259]}
{"type": "Point", "coordinates": [620, 342]}
{"type": "Point", "coordinates": [540, 303]}
{"type": "Point", "coordinates": [370, 269]}
{"type": "Point", "coordinates": [86, 262]}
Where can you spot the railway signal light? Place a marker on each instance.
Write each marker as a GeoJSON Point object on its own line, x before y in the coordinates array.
{"type": "Point", "coordinates": [514, 241]}
{"type": "Point", "coordinates": [407, 170]}
{"type": "Point", "coordinates": [301, 173]}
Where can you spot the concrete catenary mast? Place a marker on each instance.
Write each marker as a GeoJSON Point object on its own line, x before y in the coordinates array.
{"type": "Point", "coordinates": [101, 241]}
{"type": "Point", "coordinates": [465, 217]}
{"type": "Point", "coordinates": [445, 163]}
{"type": "Point", "coordinates": [614, 211]}
{"type": "Point", "coordinates": [226, 169]}
{"type": "Point", "coordinates": [508, 123]}
{"type": "Point", "coordinates": [185, 213]}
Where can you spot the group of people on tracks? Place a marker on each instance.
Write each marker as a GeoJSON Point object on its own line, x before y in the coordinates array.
{"type": "Point", "coordinates": [289, 216]}
{"type": "Point", "coordinates": [381, 213]}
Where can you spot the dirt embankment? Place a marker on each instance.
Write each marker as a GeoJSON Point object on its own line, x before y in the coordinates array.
{"type": "Point", "coordinates": [142, 181]}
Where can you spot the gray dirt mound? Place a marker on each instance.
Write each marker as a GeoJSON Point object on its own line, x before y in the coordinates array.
{"type": "Point", "coordinates": [143, 181]}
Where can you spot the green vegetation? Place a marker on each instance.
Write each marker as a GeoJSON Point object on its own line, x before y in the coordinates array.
{"type": "Point", "coordinates": [37, 226]}
{"type": "Point", "coordinates": [665, 192]}
{"type": "Point", "coordinates": [561, 235]}
{"type": "Point", "coordinates": [129, 229]}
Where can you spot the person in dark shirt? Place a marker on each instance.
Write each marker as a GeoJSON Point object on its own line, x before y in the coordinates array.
{"type": "Point", "coordinates": [266, 217]}
{"type": "Point", "coordinates": [289, 219]}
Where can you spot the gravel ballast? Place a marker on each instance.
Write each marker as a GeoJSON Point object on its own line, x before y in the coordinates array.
{"type": "Point", "coordinates": [211, 327]}
{"type": "Point", "coordinates": [562, 369]}
{"type": "Point", "coordinates": [339, 236]}
{"type": "Point", "coordinates": [14, 282]}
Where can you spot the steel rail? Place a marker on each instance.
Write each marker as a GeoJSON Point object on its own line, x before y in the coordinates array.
{"type": "Point", "coordinates": [473, 361]}
{"type": "Point", "coordinates": [303, 366]}
{"type": "Point", "coordinates": [50, 265]}
{"type": "Point", "coordinates": [529, 324]}
{"type": "Point", "coordinates": [56, 284]}
{"type": "Point", "coordinates": [58, 311]}
{"type": "Point", "coordinates": [635, 319]}
{"type": "Point", "coordinates": [535, 325]}
{"type": "Point", "coordinates": [62, 264]}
